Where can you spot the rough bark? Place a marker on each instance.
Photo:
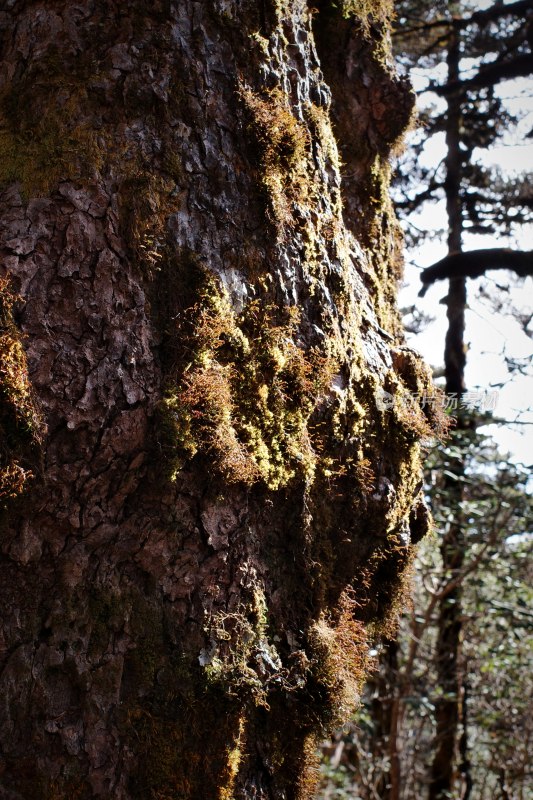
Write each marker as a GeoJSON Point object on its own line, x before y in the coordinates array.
{"type": "Point", "coordinates": [218, 511]}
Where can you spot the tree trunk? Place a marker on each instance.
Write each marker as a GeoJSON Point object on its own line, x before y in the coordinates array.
{"type": "Point", "coordinates": [206, 491]}
{"type": "Point", "coordinates": [449, 626]}
{"type": "Point", "coordinates": [387, 723]}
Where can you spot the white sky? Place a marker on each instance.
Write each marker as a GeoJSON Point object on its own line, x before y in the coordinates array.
{"type": "Point", "coordinates": [490, 335]}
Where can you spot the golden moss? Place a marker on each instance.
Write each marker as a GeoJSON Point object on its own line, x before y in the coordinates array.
{"type": "Point", "coordinates": [282, 143]}
{"type": "Point", "coordinates": [247, 393]}
{"type": "Point", "coordinates": [365, 10]}
{"type": "Point", "coordinates": [19, 421]}
{"type": "Point", "coordinates": [320, 125]}
{"type": "Point", "coordinates": [338, 650]}
{"type": "Point", "coordinates": [243, 392]}
{"type": "Point", "coordinates": [234, 758]}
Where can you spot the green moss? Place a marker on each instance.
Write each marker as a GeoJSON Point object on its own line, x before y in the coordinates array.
{"type": "Point", "coordinates": [145, 203]}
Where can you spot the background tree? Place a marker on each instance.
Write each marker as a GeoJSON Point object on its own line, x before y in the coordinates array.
{"type": "Point", "coordinates": [477, 201]}
{"type": "Point", "coordinates": [206, 506]}
{"type": "Point", "coordinates": [496, 647]}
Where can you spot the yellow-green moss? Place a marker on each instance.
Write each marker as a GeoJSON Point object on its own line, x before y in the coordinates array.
{"type": "Point", "coordinates": [374, 10]}
{"type": "Point", "coordinates": [238, 641]}
{"type": "Point", "coordinates": [282, 144]}
{"type": "Point", "coordinates": [234, 758]}
{"type": "Point", "coordinates": [320, 125]}
{"type": "Point", "coordinates": [246, 395]}
{"type": "Point", "coordinates": [338, 650]}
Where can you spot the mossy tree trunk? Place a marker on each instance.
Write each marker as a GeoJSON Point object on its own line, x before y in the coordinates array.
{"type": "Point", "coordinates": [209, 466]}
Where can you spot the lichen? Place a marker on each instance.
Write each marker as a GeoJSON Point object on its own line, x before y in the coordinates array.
{"type": "Point", "coordinates": [240, 658]}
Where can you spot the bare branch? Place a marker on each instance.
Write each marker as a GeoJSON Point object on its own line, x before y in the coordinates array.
{"type": "Point", "coordinates": [490, 74]}
{"type": "Point", "coordinates": [478, 17]}
{"type": "Point", "coordinates": [474, 263]}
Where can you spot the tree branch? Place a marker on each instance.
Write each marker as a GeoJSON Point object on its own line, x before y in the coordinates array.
{"type": "Point", "coordinates": [478, 17]}
{"type": "Point", "coordinates": [475, 263]}
{"type": "Point", "coordinates": [411, 204]}
{"type": "Point", "coordinates": [491, 74]}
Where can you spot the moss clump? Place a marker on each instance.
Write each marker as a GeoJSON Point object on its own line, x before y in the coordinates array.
{"type": "Point", "coordinates": [338, 648]}
{"type": "Point", "coordinates": [240, 660]}
{"type": "Point", "coordinates": [282, 145]}
{"type": "Point", "coordinates": [367, 13]}
{"type": "Point", "coordinates": [159, 744]}
{"type": "Point", "coordinates": [247, 393]}
{"type": "Point", "coordinates": [19, 421]}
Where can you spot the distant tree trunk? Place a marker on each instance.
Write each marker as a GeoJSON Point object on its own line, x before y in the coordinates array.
{"type": "Point", "coordinates": [386, 714]}
{"type": "Point", "coordinates": [465, 766]}
{"type": "Point", "coordinates": [449, 626]}
{"type": "Point", "coordinates": [196, 341]}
